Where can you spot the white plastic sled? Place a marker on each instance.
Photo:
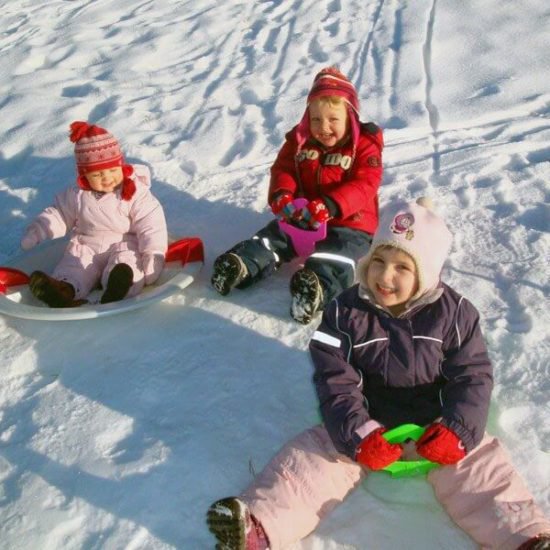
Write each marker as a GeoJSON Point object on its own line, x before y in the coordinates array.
{"type": "Point", "coordinates": [184, 260]}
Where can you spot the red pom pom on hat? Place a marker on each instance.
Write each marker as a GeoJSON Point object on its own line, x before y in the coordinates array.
{"type": "Point", "coordinates": [80, 129]}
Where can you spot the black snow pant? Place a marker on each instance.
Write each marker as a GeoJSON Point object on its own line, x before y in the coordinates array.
{"type": "Point", "coordinates": [334, 259]}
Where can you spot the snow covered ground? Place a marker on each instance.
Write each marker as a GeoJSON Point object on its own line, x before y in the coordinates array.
{"type": "Point", "coordinates": [119, 432]}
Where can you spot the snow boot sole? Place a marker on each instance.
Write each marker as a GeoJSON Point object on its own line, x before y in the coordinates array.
{"type": "Point", "coordinates": [307, 295]}
{"type": "Point", "coordinates": [229, 271]}
{"type": "Point", "coordinates": [228, 520]}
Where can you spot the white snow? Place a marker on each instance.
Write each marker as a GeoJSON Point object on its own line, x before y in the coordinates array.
{"type": "Point", "coordinates": [119, 432]}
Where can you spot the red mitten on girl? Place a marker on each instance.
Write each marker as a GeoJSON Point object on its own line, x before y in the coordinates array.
{"type": "Point", "coordinates": [440, 444]}
{"type": "Point", "coordinates": [375, 452]}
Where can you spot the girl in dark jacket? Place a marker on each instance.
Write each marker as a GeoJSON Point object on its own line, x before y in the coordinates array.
{"type": "Point", "coordinates": [399, 347]}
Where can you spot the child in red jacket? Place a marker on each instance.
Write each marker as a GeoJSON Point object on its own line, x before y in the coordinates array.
{"type": "Point", "coordinates": [334, 161]}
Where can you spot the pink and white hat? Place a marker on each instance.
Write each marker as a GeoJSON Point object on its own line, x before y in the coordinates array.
{"type": "Point", "coordinates": [97, 149]}
{"type": "Point", "coordinates": [417, 230]}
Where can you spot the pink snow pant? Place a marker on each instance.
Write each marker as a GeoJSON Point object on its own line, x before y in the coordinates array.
{"type": "Point", "coordinates": [86, 265]}
{"type": "Point", "coordinates": [308, 478]}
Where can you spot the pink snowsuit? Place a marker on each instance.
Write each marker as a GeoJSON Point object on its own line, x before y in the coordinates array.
{"type": "Point", "coordinates": [308, 478]}
{"type": "Point", "coordinates": [106, 231]}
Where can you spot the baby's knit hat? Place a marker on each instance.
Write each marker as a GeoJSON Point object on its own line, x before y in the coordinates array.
{"type": "Point", "coordinates": [97, 149]}
{"type": "Point", "coordinates": [417, 230]}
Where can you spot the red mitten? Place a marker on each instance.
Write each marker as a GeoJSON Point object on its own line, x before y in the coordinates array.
{"type": "Point", "coordinates": [282, 206]}
{"type": "Point", "coordinates": [315, 213]}
{"type": "Point", "coordinates": [375, 452]}
{"type": "Point", "coordinates": [441, 445]}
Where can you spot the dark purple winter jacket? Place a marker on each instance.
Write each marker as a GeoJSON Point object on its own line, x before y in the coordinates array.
{"type": "Point", "coordinates": [430, 363]}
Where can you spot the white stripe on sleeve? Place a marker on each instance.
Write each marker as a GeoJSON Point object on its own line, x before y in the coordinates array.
{"type": "Point", "coordinates": [326, 339]}
{"type": "Point", "coordinates": [333, 257]}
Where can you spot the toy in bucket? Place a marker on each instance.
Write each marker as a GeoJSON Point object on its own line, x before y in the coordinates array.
{"type": "Point", "coordinates": [303, 240]}
{"type": "Point", "coordinates": [407, 468]}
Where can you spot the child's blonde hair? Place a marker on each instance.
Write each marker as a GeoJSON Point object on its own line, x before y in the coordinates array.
{"type": "Point", "coordinates": [332, 100]}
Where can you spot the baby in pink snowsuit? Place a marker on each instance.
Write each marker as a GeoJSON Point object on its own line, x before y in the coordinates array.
{"type": "Point", "coordinates": [117, 227]}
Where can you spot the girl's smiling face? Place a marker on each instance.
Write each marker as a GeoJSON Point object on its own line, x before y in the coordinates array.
{"type": "Point", "coordinates": [106, 180]}
{"type": "Point", "coordinates": [328, 122]}
{"type": "Point", "coordinates": [392, 278]}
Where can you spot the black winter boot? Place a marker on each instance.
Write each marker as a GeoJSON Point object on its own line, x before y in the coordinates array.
{"type": "Point", "coordinates": [118, 284]}
{"type": "Point", "coordinates": [307, 295]}
{"type": "Point", "coordinates": [53, 292]}
{"type": "Point", "coordinates": [229, 271]}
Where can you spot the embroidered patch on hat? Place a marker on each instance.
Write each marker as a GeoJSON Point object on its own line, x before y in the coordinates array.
{"type": "Point", "coordinates": [402, 223]}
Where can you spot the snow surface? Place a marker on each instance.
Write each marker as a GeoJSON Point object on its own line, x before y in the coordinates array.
{"type": "Point", "coordinates": [119, 432]}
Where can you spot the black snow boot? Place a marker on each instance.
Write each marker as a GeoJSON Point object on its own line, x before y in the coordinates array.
{"type": "Point", "coordinates": [307, 295]}
{"type": "Point", "coordinates": [229, 271]}
{"type": "Point", "coordinates": [118, 284]}
{"type": "Point", "coordinates": [53, 292]}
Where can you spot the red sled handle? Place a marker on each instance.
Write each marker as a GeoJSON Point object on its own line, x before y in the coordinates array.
{"type": "Point", "coordinates": [189, 249]}
{"type": "Point", "coordinates": [9, 276]}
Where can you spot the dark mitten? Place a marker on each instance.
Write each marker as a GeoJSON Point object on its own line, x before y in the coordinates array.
{"type": "Point", "coordinates": [375, 452]}
{"type": "Point", "coordinates": [440, 444]}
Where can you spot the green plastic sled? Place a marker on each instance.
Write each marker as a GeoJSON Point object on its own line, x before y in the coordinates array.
{"type": "Point", "coordinates": [407, 468]}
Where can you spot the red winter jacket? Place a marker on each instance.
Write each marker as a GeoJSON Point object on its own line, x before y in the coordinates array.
{"type": "Point", "coordinates": [350, 180]}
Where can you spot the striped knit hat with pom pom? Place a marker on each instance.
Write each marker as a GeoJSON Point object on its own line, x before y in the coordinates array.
{"type": "Point", "coordinates": [331, 82]}
{"type": "Point", "coordinates": [97, 149]}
